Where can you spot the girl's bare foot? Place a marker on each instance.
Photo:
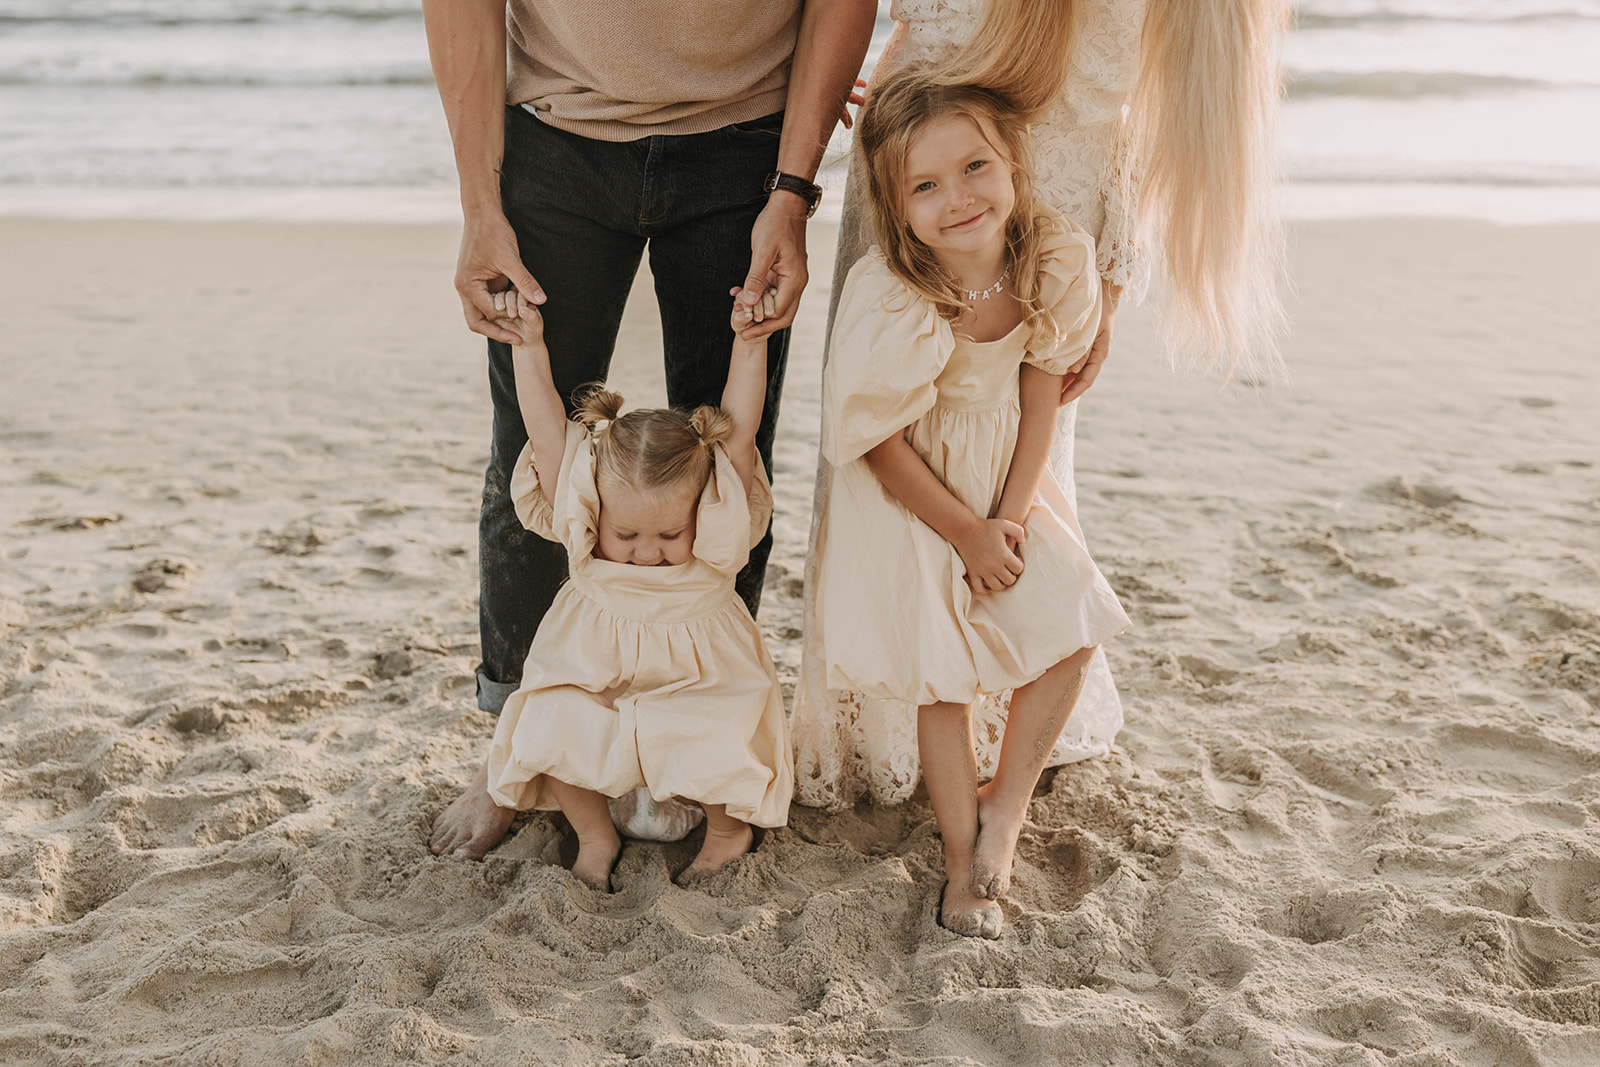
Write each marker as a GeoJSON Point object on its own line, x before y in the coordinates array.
{"type": "Point", "coordinates": [962, 913]}
{"type": "Point", "coordinates": [472, 824]}
{"type": "Point", "coordinates": [727, 839]}
{"type": "Point", "coordinates": [995, 850]}
{"type": "Point", "coordinates": [595, 861]}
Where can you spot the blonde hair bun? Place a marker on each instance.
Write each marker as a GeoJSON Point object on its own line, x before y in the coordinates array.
{"type": "Point", "coordinates": [650, 449]}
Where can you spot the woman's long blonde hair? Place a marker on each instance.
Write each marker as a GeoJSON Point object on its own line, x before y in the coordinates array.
{"type": "Point", "coordinates": [901, 104]}
{"type": "Point", "coordinates": [1201, 121]}
{"type": "Point", "coordinates": [650, 449]}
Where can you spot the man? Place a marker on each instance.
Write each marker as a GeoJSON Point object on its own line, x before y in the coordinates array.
{"type": "Point", "coordinates": [586, 133]}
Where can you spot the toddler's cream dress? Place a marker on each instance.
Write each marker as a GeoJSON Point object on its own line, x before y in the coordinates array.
{"type": "Point", "coordinates": [896, 617]}
{"type": "Point", "coordinates": [651, 677]}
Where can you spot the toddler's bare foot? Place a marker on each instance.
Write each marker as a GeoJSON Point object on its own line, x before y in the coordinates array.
{"type": "Point", "coordinates": [962, 913]}
{"type": "Point", "coordinates": [595, 861]}
{"type": "Point", "coordinates": [472, 824]}
{"type": "Point", "coordinates": [996, 847]}
{"type": "Point", "coordinates": [722, 845]}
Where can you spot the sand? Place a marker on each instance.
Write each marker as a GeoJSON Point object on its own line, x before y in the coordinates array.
{"type": "Point", "coordinates": [1354, 818]}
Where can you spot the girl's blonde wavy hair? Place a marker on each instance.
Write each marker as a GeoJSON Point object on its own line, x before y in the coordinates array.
{"type": "Point", "coordinates": [1200, 124]}
{"type": "Point", "coordinates": [650, 449]}
{"type": "Point", "coordinates": [899, 106]}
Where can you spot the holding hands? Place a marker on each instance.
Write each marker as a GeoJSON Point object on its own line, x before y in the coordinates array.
{"type": "Point", "coordinates": [514, 314]}
{"type": "Point", "coordinates": [747, 314]}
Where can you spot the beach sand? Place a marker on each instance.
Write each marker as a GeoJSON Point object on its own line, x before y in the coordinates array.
{"type": "Point", "coordinates": [1354, 818]}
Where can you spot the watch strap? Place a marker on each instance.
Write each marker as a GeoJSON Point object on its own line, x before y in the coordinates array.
{"type": "Point", "coordinates": [810, 192]}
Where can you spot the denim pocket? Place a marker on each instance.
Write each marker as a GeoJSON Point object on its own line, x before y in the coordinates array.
{"type": "Point", "coordinates": [765, 128]}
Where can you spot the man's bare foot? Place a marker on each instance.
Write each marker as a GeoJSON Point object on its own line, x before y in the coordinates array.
{"type": "Point", "coordinates": [472, 824]}
{"type": "Point", "coordinates": [595, 862]}
{"type": "Point", "coordinates": [962, 913]}
{"type": "Point", "coordinates": [995, 849]}
{"type": "Point", "coordinates": [722, 845]}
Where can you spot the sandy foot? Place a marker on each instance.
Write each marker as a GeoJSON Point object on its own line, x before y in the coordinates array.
{"type": "Point", "coordinates": [968, 915]}
{"type": "Point", "coordinates": [596, 860]}
{"type": "Point", "coordinates": [997, 844]}
{"type": "Point", "coordinates": [472, 824]}
{"type": "Point", "coordinates": [722, 845]}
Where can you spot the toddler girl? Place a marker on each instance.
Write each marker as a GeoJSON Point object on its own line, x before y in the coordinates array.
{"type": "Point", "coordinates": [948, 564]}
{"type": "Point", "coordinates": [648, 670]}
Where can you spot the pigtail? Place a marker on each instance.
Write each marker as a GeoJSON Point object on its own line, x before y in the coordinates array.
{"type": "Point", "coordinates": [596, 405]}
{"type": "Point", "coordinates": [1202, 119]}
{"type": "Point", "coordinates": [711, 425]}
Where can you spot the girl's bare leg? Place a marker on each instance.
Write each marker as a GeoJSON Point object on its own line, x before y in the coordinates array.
{"type": "Point", "coordinates": [727, 839]}
{"type": "Point", "coordinates": [950, 767]}
{"type": "Point", "coordinates": [1038, 714]}
{"type": "Point", "coordinates": [598, 843]}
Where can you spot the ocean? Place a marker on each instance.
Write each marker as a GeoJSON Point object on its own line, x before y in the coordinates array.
{"type": "Point", "coordinates": [300, 109]}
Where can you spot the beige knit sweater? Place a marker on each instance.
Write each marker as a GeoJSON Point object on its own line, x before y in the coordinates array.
{"type": "Point", "coordinates": [619, 70]}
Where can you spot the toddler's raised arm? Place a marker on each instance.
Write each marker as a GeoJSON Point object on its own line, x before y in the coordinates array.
{"type": "Point", "coordinates": [544, 415]}
{"type": "Point", "coordinates": [745, 395]}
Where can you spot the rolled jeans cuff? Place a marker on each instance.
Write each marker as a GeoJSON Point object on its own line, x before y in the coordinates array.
{"type": "Point", "coordinates": [492, 695]}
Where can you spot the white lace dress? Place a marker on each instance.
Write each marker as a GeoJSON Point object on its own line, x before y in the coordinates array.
{"type": "Point", "coordinates": [848, 745]}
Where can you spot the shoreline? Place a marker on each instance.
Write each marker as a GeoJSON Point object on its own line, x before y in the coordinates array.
{"type": "Point", "coordinates": [1303, 201]}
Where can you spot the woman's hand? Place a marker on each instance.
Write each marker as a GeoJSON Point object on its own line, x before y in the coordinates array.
{"type": "Point", "coordinates": [1078, 381]}
{"type": "Point", "coordinates": [854, 98]}
{"type": "Point", "coordinates": [986, 551]}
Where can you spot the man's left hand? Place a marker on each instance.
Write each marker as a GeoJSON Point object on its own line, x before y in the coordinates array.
{"type": "Point", "coordinates": [777, 261]}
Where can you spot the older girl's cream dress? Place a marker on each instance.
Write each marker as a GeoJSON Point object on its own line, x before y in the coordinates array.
{"type": "Point", "coordinates": [651, 677]}
{"type": "Point", "coordinates": [897, 618]}
{"type": "Point", "coordinates": [1086, 169]}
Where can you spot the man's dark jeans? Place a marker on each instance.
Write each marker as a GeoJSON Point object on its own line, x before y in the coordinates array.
{"type": "Point", "coordinates": [584, 212]}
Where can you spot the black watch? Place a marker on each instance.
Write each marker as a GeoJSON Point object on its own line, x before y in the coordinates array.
{"type": "Point", "coordinates": [810, 192]}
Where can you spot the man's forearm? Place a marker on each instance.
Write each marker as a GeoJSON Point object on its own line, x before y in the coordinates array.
{"type": "Point", "coordinates": [467, 45]}
{"type": "Point", "coordinates": [827, 57]}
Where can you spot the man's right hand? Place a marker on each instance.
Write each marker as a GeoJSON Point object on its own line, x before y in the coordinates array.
{"type": "Point", "coordinates": [490, 263]}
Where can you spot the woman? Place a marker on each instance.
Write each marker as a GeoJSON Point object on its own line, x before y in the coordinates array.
{"type": "Point", "coordinates": [1152, 131]}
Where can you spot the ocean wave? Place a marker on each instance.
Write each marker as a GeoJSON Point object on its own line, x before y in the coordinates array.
{"type": "Point", "coordinates": [217, 77]}
{"type": "Point", "coordinates": [1506, 174]}
{"type": "Point", "coordinates": [1344, 14]}
{"type": "Point", "coordinates": [200, 12]}
{"type": "Point", "coordinates": [1412, 85]}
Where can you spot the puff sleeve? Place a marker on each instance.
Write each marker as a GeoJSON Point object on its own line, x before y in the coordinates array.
{"type": "Point", "coordinates": [1069, 289]}
{"type": "Point", "coordinates": [729, 522]}
{"type": "Point", "coordinates": [555, 522]}
{"type": "Point", "coordinates": [888, 348]}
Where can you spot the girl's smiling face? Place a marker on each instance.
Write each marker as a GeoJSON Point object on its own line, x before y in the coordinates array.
{"type": "Point", "coordinates": [958, 190]}
{"type": "Point", "coordinates": [646, 529]}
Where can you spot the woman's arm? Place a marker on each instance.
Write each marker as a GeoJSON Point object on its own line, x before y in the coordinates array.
{"type": "Point", "coordinates": [544, 416]}
{"type": "Point", "coordinates": [1039, 396]}
{"type": "Point", "coordinates": [984, 544]}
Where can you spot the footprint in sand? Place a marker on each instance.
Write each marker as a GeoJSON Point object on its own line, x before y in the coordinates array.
{"type": "Point", "coordinates": [166, 573]}
{"type": "Point", "coordinates": [1323, 915]}
{"type": "Point", "coordinates": [1055, 871]}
